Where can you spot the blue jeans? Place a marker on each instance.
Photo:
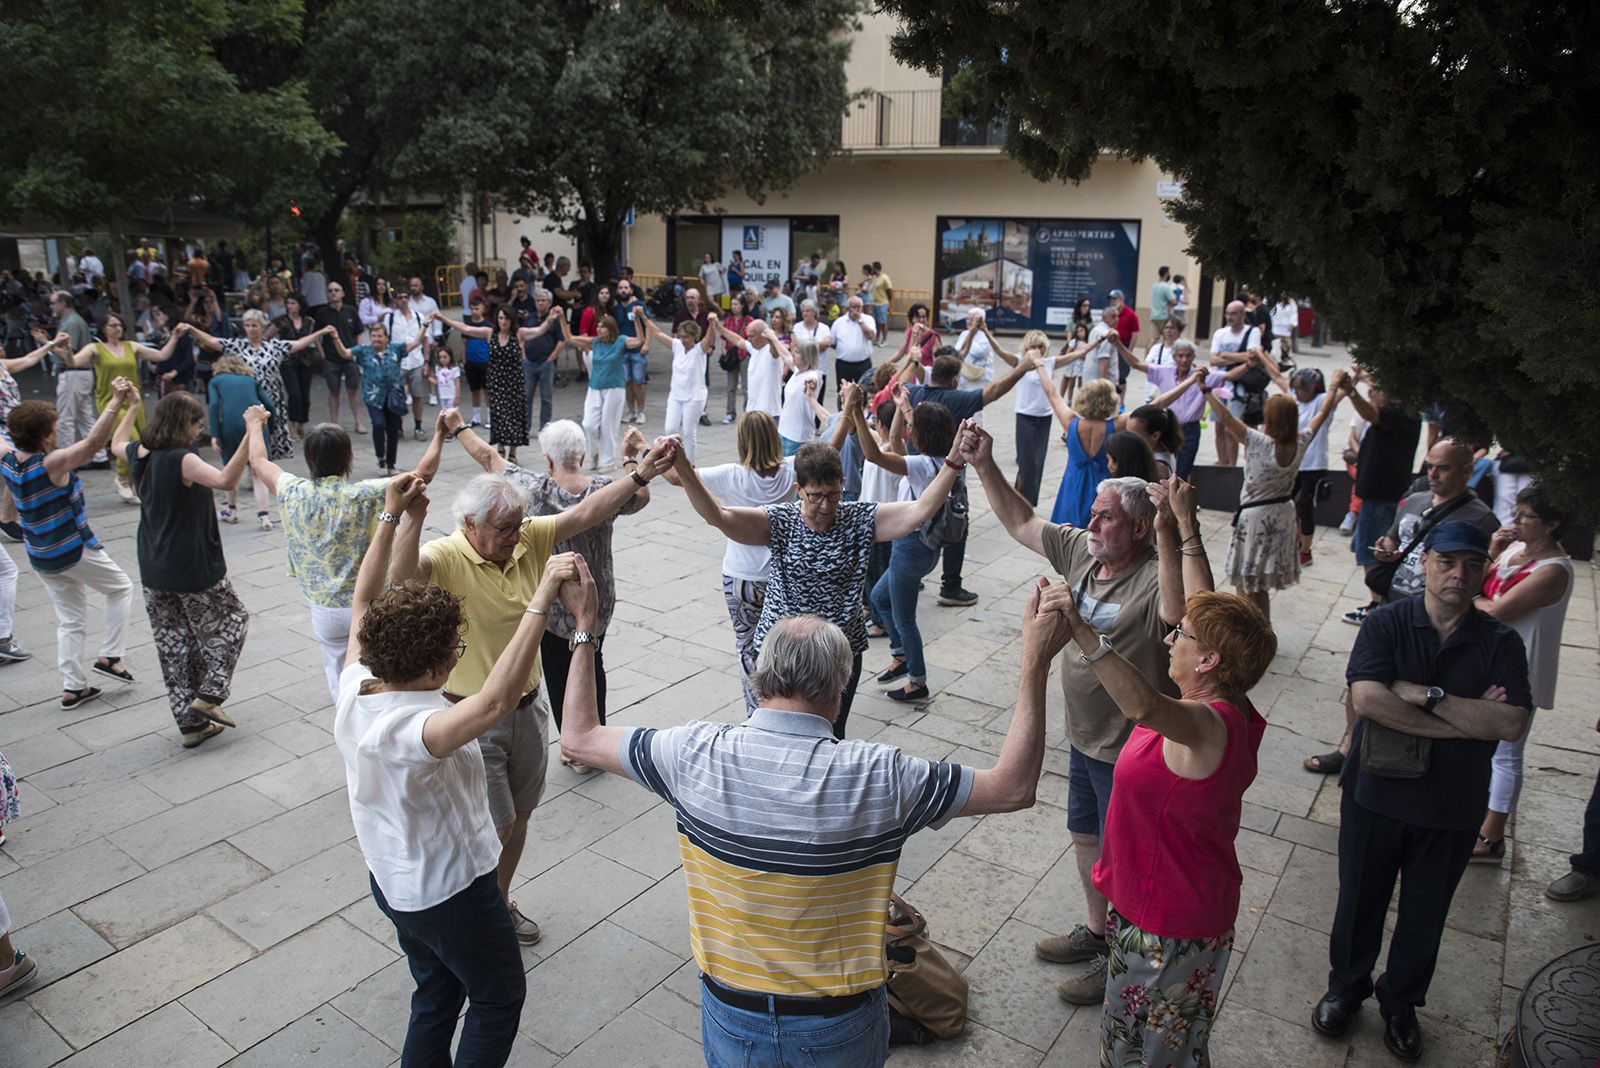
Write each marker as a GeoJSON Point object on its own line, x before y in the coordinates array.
{"type": "Point", "coordinates": [739, 1038]}
{"type": "Point", "coordinates": [461, 950]}
{"type": "Point", "coordinates": [1372, 523]}
{"type": "Point", "coordinates": [895, 599]}
{"type": "Point", "coordinates": [540, 376]}
{"type": "Point", "coordinates": [1190, 450]}
{"type": "Point", "coordinates": [637, 367]}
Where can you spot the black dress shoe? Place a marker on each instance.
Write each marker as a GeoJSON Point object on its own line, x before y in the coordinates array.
{"type": "Point", "coordinates": [1402, 1034]}
{"type": "Point", "coordinates": [1333, 1014]}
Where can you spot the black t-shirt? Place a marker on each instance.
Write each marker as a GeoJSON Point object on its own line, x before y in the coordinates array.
{"type": "Point", "coordinates": [1397, 643]}
{"type": "Point", "coordinates": [553, 282]}
{"type": "Point", "coordinates": [346, 323]}
{"type": "Point", "coordinates": [180, 547]}
{"type": "Point", "coordinates": [1260, 316]}
{"type": "Point", "coordinates": [1384, 463]}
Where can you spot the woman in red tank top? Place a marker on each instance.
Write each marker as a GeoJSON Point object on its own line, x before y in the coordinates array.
{"type": "Point", "coordinates": [1167, 862]}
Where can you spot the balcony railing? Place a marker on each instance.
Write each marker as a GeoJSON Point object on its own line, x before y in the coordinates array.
{"type": "Point", "coordinates": [912, 118]}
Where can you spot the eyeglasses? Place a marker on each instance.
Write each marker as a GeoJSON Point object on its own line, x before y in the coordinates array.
{"type": "Point", "coordinates": [461, 648]}
{"type": "Point", "coordinates": [830, 497]}
{"type": "Point", "coordinates": [1177, 629]}
{"type": "Point", "coordinates": [504, 531]}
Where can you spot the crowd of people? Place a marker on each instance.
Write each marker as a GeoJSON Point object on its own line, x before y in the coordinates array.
{"type": "Point", "coordinates": [445, 658]}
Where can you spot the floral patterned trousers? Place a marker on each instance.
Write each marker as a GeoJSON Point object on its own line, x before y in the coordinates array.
{"type": "Point", "coordinates": [1161, 997]}
{"type": "Point", "coordinates": [198, 638]}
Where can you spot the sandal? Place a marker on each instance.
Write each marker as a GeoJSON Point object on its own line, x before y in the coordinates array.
{"type": "Point", "coordinates": [1488, 851]}
{"type": "Point", "coordinates": [195, 737]}
{"type": "Point", "coordinates": [1325, 763]}
{"type": "Point", "coordinates": [876, 631]}
{"type": "Point", "coordinates": [74, 698]}
{"type": "Point", "coordinates": [113, 668]}
{"type": "Point", "coordinates": [213, 712]}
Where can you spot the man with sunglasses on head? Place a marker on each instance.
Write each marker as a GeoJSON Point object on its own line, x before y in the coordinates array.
{"type": "Point", "coordinates": [337, 368]}
{"type": "Point", "coordinates": [493, 563]}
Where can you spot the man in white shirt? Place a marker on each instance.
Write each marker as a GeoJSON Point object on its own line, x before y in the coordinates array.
{"type": "Point", "coordinates": [1231, 346]}
{"type": "Point", "coordinates": [91, 266]}
{"type": "Point", "coordinates": [405, 322]}
{"type": "Point", "coordinates": [425, 306]}
{"type": "Point", "coordinates": [715, 280]}
{"type": "Point", "coordinates": [854, 335]}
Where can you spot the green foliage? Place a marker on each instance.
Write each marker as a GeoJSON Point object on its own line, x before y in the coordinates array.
{"type": "Point", "coordinates": [665, 113]}
{"type": "Point", "coordinates": [118, 105]}
{"type": "Point", "coordinates": [1424, 172]}
{"type": "Point", "coordinates": [427, 240]}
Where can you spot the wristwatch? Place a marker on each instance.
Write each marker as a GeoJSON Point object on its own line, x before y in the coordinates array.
{"type": "Point", "coordinates": [387, 516]}
{"type": "Point", "coordinates": [579, 637]}
{"type": "Point", "coordinates": [1100, 650]}
{"type": "Point", "coordinates": [1435, 695]}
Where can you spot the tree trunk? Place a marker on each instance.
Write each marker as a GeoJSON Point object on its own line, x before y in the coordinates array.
{"type": "Point", "coordinates": [326, 232]}
{"type": "Point", "coordinates": [118, 241]}
{"type": "Point", "coordinates": [601, 244]}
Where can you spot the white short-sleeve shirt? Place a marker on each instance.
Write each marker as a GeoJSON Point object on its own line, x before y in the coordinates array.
{"type": "Point", "coordinates": [740, 487]}
{"type": "Point", "coordinates": [688, 372]}
{"type": "Point", "coordinates": [422, 822]}
{"type": "Point", "coordinates": [764, 381]}
{"type": "Point", "coordinates": [797, 422]}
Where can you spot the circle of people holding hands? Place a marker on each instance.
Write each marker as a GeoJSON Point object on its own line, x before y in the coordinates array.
{"type": "Point", "coordinates": [443, 658]}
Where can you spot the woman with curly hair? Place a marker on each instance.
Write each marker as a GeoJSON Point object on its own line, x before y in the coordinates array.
{"type": "Point", "coordinates": [417, 792]}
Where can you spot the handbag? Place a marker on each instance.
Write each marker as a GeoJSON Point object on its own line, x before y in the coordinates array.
{"type": "Point", "coordinates": [949, 524]}
{"type": "Point", "coordinates": [923, 985]}
{"type": "Point", "coordinates": [1380, 577]}
{"type": "Point", "coordinates": [729, 360]}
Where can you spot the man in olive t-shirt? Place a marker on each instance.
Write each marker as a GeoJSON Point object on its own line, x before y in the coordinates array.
{"type": "Point", "coordinates": [1115, 577]}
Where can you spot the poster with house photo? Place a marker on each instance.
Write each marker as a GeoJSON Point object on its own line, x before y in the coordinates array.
{"type": "Point", "coordinates": [969, 256]}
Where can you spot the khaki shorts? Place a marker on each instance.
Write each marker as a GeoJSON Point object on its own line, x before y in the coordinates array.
{"type": "Point", "coordinates": [416, 382]}
{"type": "Point", "coordinates": [516, 754]}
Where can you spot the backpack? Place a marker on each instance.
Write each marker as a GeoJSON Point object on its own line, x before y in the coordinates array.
{"type": "Point", "coordinates": [949, 524]}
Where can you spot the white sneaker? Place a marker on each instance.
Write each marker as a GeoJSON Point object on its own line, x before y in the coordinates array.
{"type": "Point", "coordinates": [1348, 523]}
{"type": "Point", "coordinates": [433, 400]}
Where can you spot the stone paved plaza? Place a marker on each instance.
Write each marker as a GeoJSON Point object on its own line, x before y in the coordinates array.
{"type": "Point", "coordinates": [202, 908]}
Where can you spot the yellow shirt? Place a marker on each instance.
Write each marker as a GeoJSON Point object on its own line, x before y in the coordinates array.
{"type": "Point", "coordinates": [880, 288]}
{"type": "Point", "coordinates": [492, 597]}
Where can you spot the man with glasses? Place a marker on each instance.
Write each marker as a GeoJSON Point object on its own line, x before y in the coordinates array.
{"type": "Point", "coordinates": [493, 563]}
{"type": "Point", "coordinates": [75, 410]}
{"type": "Point", "coordinates": [1134, 597]}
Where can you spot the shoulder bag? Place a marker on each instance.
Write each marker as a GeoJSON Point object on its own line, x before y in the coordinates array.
{"type": "Point", "coordinates": [1380, 577]}
{"type": "Point", "coordinates": [924, 987]}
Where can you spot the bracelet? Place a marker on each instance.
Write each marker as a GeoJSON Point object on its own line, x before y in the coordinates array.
{"type": "Point", "coordinates": [1192, 537]}
{"type": "Point", "coordinates": [532, 611]}
{"type": "Point", "coordinates": [630, 460]}
{"type": "Point", "coordinates": [387, 516]}
{"type": "Point", "coordinates": [953, 467]}
{"type": "Point", "coordinates": [642, 482]}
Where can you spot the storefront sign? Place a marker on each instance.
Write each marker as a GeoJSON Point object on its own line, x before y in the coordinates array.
{"type": "Point", "coordinates": [764, 245]}
{"type": "Point", "coordinates": [1030, 273]}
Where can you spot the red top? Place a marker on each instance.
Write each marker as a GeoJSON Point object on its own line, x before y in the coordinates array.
{"type": "Point", "coordinates": [1127, 324]}
{"type": "Point", "coordinates": [1167, 861]}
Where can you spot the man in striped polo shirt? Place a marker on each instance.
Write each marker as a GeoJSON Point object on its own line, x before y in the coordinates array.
{"type": "Point", "coordinates": [790, 837]}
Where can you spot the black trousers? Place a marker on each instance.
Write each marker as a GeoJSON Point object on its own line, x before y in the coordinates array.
{"type": "Point", "coordinates": [1588, 861]}
{"type": "Point", "coordinates": [297, 379]}
{"type": "Point", "coordinates": [1373, 850]}
{"type": "Point", "coordinates": [1033, 443]}
{"type": "Point", "coordinates": [556, 659]}
{"type": "Point", "coordinates": [847, 698]}
{"type": "Point", "coordinates": [1305, 499]}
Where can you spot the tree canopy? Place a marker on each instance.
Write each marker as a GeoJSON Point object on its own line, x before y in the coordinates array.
{"type": "Point", "coordinates": [1424, 172]}
{"type": "Point", "coordinates": [119, 105]}
{"type": "Point", "coordinates": [663, 112]}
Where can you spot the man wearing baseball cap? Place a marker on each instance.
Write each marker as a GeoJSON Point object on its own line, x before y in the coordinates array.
{"type": "Point", "coordinates": [1435, 683]}
{"type": "Point", "coordinates": [1127, 329]}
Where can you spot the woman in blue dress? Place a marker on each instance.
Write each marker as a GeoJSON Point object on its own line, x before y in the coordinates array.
{"type": "Point", "coordinates": [1089, 422]}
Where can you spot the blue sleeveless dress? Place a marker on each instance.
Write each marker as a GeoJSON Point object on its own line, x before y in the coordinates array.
{"type": "Point", "coordinates": [1081, 480]}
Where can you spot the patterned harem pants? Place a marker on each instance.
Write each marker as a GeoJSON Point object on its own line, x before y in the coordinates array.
{"type": "Point", "coordinates": [1161, 997]}
{"type": "Point", "coordinates": [198, 637]}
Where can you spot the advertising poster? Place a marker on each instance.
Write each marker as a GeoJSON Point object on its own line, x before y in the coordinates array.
{"type": "Point", "coordinates": [1029, 273]}
{"type": "Point", "coordinates": [764, 244]}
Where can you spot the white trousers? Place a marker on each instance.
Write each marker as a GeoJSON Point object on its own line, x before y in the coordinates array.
{"type": "Point", "coordinates": [331, 628]}
{"type": "Point", "coordinates": [69, 592]}
{"type": "Point", "coordinates": [8, 592]}
{"type": "Point", "coordinates": [683, 419]}
{"type": "Point", "coordinates": [5, 920]}
{"type": "Point", "coordinates": [1505, 776]}
{"type": "Point", "coordinates": [602, 410]}
{"type": "Point", "coordinates": [75, 410]}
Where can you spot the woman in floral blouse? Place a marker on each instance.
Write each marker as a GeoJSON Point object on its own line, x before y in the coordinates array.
{"type": "Point", "coordinates": [327, 523]}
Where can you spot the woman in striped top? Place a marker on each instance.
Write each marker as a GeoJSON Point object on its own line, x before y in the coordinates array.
{"type": "Point", "coordinates": [64, 552]}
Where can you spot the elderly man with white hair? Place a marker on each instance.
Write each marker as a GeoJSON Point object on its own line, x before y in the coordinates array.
{"type": "Point", "coordinates": [493, 563]}
{"type": "Point", "coordinates": [562, 486]}
{"type": "Point", "coordinates": [1133, 597]}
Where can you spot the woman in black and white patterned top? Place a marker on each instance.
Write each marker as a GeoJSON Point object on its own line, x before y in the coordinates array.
{"type": "Point", "coordinates": [821, 542]}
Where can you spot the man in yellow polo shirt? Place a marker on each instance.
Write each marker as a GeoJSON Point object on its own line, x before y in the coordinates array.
{"type": "Point", "coordinates": [493, 563]}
